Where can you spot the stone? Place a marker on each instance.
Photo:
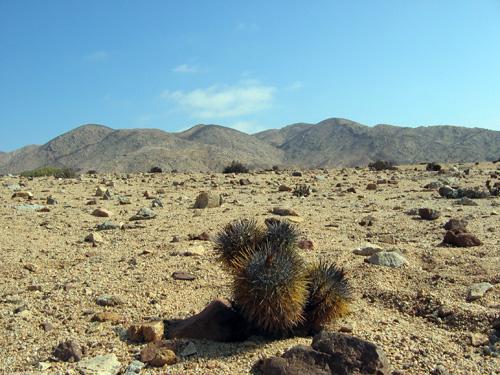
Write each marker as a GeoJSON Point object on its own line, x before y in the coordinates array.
{"type": "Point", "coordinates": [189, 350]}
{"type": "Point", "coordinates": [101, 212]}
{"type": "Point", "coordinates": [68, 351]}
{"type": "Point", "coordinates": [306, 244]}
{"type": "Point", "coordinates": [156, 170]}
{"type": "Point", "coordinates": [428, 214]}
{"type": "Point", "coordinates": [107, 300]}
{"type": "Point", "coordinates": [100, 191]}
{"type": "Point", "coordinates": [464, 201]}
{"type": "Point", "coordinates": [23, 194]}
{"type": "Point", "coordinates": [434, 185]}
{"type": "Point", "coordinates": [456, 224]}
{"type": "Point", "coordinates": [134, 367]}
{"type": "Point", "coordinates": [284, 188]}
{"type": "Point", "coordinates": [143, 214]}
{"type": "Point", "coordinates": [30, 207]}
{"type": "Point", "coordinates": [367, 221]}
{"type": "Point", "coordinates": [448, 192]}
{"type": "Point", "coordinates": [433, 167]}
{"type": "Point", "coordinates": [123, 200]}
{"type": "Point", "coordinates": [197, 250]}
{"type": "Point", "coordinates": [106, 364]}
{"type": "Point", "coordinates": [371, 186]}
{"type": "Point", "coordinates": [146, 332]}
{"type": "Point", "coordinates": [387, 259]}
{"type": "Point", "coordinates": [51, 200]}
{"type": "Point", "coordinates": [281, 211]}
{"type": "Point", "coordinates": [108, 225]}
{"type": "Point", "coordinates": [476, 291]}
{"type": "Point", "coordinates": [94, 237]}
{"type": "Point", "coordinates": [156, 203]}
{"type": "Point", "coordinates": [478, 339]}
{"type": "Point", "coordinates": [91, 202]}
{"type": "Point", "coordinates": [158, 354]}
{"type": "Point", "coordinates": [107, 195]}
{"type": "Point", "coordinates": [181, 275]}
{"type": "Point", "coordinates": [330, 353]}
{"type": "Point", "coordinates": [208, 199]}
{"type": "Point", "coordinates": [245, 181]}
{"type": "Point", "coordinates": [367, 250]}
{"type": "Point", "coordinates": [351, 190]}
{"type": "Point", "coordinates": [217, 322]}
{"type": "Point", "coordinates": [107, 316]}
{"type": "Point", "coordinates": [296, 174]}
{"type": "Point", "coordinates": [461, 238]}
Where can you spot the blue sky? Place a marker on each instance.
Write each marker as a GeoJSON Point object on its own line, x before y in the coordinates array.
{"type": "Point", "coordinates": [250, 65]}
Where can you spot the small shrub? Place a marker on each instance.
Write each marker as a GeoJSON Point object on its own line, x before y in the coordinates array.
{"type": "Point", "coordinates": [302, 190]}
{"type": "Point", "coordinates": [50, 171]}
{"type": "Point", "coordinates": [381, 165]}
{"type": "Point", "coordinates": [156, 170]}
{"type": "Point", "coordinates": [235, 167]}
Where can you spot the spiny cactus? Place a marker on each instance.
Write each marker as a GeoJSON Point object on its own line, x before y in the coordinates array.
{"type": "Point", "coordinates": [281, 234]}
{"type": "Point", "coordinates": [329, 296]}
{"type": "Point", "coordinates": [271, 289]}
{"type": "Point", "coordinates": [237, 239]}
{"type": "Point", "coordinates": [302, 190]}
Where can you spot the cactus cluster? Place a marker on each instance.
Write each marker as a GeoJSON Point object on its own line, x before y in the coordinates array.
{"type": "Point", "coordinates": [275, 291]}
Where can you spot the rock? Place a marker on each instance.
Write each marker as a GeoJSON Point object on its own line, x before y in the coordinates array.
{"type": "Point", "coordinates": [208, 199]}
{"type": "Point", "coordinates": [330, 353]}
{"type": "Point", "coordinates": [476, 291]}
{"type": "Point", "coordinates": [204, 236]}
{"type": "Point", "coordinates": [456, 224]}
{"type": "Point", "coordinates": [464, 201]}
{"type": "Point", "coordinates": [448, 192]}
{"type": "Point", "coordinates": [284, 188]}
{"type": "Point", "coordinates": [371, 186]}
{"type": "Point", "coordinates": [158, 354]}
{"type": "Point", "coordinates": [388, 259]}
{"type": "Point", "coordinates": [107, 316]}
{"type": "Point", "coordinates": [106, 364]}
{"type": "Point", "coordinates": [146, 332]}
{"type": "Point", "coordinates": [381, 165]}
{"type": "Point", "coordinates": [94, 237]}
{"type": "Point", "coordinates": [107, 300]}
{"type": "Point", "coordinates": [91, 202]}
{"type": "Point", "coordinates": [367, 250]}
{"type": "Point", "coordinates": [23, 194]}
{"type": "Point", "coordinates": [68, 351]}
{"type": "Point", "coordinates": [100, 191]}
{"type": "Point", "coordinates": [155, 170]}
{"type": "Point", "coordinates": [143, 214]}
{"type": "Point", "coordinates": [478, 339]}
{"type": "Point", "coordinates": [351, 190]}
{"type": "Point", "coordinates": [428, 214]}
{"type": "Point", "coordinates": [134, 367]}
{"type": "Point", "coordinates": [433, 167]}
{"type": "Point", "coordinates": [217, 322]}
{"type": "Point", "coordinates": [101, 212]}
{"type": "Point", "coordinates": [245, 181]}
{"type": "Point", "coordinates": [156, 203]}
{"type": "Point", "coordinates": [434, 185]}
{"type": "Point", "coordinates": [51, 200]}
{"type": "Point", "coordinates": [197, 250]}
{"type": "Point", "coordinates": [281, 211]}
{"type": "Point", "coordinates": [123, 200]}
{"type": "Point", "coordinates": [46, 326]}
{"type": "Point", "coordinates": [306, 244]}
{"type": "Point", "coordinates": [107, 195]}
{"type": "Point", "coordinates": [189, 350]}
{"type": "Point", "coordinates": [367, 221]}
{"type": "Point", "coordinates": [296, 174]}
{"type": "Point", "coordinates": [461, 238]}
{"type": "Point", "coordinates": [30, 207]}
{"type": "Point", "coordinates": [439, 370]}
{"type": "Point", "coordinates": [181, 275]}
{"type": "Point", "coordinates": [108, 225]}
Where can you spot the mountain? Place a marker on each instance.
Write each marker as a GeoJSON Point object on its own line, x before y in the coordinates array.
{"type": "Point", "coordinates": [332, 142]}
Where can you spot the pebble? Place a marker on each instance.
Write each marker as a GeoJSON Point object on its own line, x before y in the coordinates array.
{"type": "Point", "coordinates": [108, 225]}
{"type": "Point", "coordinates": [94, 237]}
{"type": "Point", "coordinates": [388, 259]}
{"type": "Point", "coordinates": [107, 316]}
{"type": "Point", "coordinates": [476, 291]}
{"type": "Point", "coordinates": [367, 250]}
{"type": "Point", "coordinates": [107, 364]}
{"type": "Point", "coordinates": [101, 212]}
{"type": "Point", "coordinates": [181, 275]}
{"type": "Point", "coordinates": [107, 300]}
{"type": "Point", "coordinates": [134, 367]}
{"type": "Point", "coordinates": [281, 211]}
{"type": "Point", "coordinates": [68, 351]}
{"type": "Point", "coordinates": [144, 214]}
{"type": "Point", "coordinates": [428, 214]}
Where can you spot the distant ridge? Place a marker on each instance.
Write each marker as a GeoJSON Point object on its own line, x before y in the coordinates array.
{"type": "Point", "coordinates": [334, 142]}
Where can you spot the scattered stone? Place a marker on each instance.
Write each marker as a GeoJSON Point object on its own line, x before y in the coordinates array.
{"type": "Point", "coordinates": [388, 259]}
{"type": "Point", "coordinates": [181, 275]}
{"type": "Point", "coordinates": [367, 221]}
{"type": "Point", "coordinates": [158, 354]}
{"type": "Point", "coordinates": [476, 291]}
{"type": "Point", "coordinates": [108, 225]}
{"type": "Point", "coordinates": [51, 200]}
{"type": "Point", "coordinates": [23, 194]}
{"type": "Point", "coordinates": [146, 332]}
{"type": "Point", "coordinates": [284, 188]}
{"type": "Point", "coordinates": [101, 212]}
{"type": "Point", "coordinates": [306, 244]}
{"type": "Point", "coordinates": [367, 250]}
{"type": "Point", "coordinates": [68, 351]}
{"type": "Point", "coordinates": [464, 201]}
{"type": "Point", "coordinates": [281, 211]}
{"type": "Point", "coordinates": [156, 203]}
{"type": "Point", "coordinates": [461, 238]}
{"type": "Point", "coordinates": [107, 316]}
{"type": "Point", "coordinates": [371, 186]}
{"type": "Point", "coordinates": [107, 300]}
{"type": "Point", "coordinates": [94, 237]}
{"type": "Point", "coordinates": [428, 213]}
{"type": "Point", "coordinates": [106, 364]}
{"type": "Point", "coordinates": [123, 200]}
{"type": "Point", "coordinates": [381, 165]}
{"type": "Point", "coordinates": [143, 214]}
{"type": "Point", "coordinates": [456, 224]}
{"type": "Point", "coordinates": [208, 199]}
{"type": "Point", "coordinates": [134, 367]}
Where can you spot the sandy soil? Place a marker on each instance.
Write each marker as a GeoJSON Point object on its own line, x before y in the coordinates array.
{"type": "Point", "coordinates": [418, 314]}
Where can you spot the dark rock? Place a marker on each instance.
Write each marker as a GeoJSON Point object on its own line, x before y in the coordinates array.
{"type": "Point", "coordinates": [297, 174]}
{"type": "Point", "coordinates": [181, 275]}
{"type": "Point", "coordinates": [143, 214]}
{"type": "Point", "coordinates": [217, 322]}
{"type": "Point", "coordinates": [371, 186]}
{"type": "Point", "coordinates": [367, 221]}
{"type": "Point", "coordinates": [284, 211]}
{"type": "Point", "coordinates": [448, 192]}
{"type": "Point", "coordinates": [156, 203]}
{"type": "Point", "coordinates": [433, 167]}
{"type": "Point", "coordinates": [460, 238]}
{"type": "Point", "coordinates": [68, 351]}
{"type": "Point", "coordinates": [299, 360]}
{"type": "Point", "coordinates": [381, 165]}
{"type": "Point", "coordinates": [351, 190]}
{"type": "Point", "coordinates": [156, 170]}
{"type": "Point", "coordinates": [456, 224]}
{"type": "Point", "coordinates": [244, 181]}
{"type": "Point", "coordinates": [428, 213]}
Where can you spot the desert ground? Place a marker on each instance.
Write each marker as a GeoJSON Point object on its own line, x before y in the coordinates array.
{"type": "Point", "coordinates": [419, 314]}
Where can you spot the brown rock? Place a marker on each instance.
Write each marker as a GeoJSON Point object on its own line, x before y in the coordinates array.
{"type": "Point", "coordinates": [284, 211]}
{"type": "Point", "coordinates": [217, 322]}
{"type": "Point", "coordinates": [107, 316]}
{"type": "Point", "coordinates": [146, 332]}
{"type": "Point", "coordinates": [208, 199]}
{"type": "Point", "coordinates": [23, 194]}
{"type": "Point", "coordinates": [181, 275]}
{"type": "Point", "coordinates": [158, 354]}
{"type": "Point", "coordinates": [68, 351]}
{"type": "Point", "coordinates": [284, 188]}
{"type": "Point", "coordinates": [371, 186]}
{"type": "Point", "coordinates": [456, 224]}
{"type": "Point", "coordinates": [461, 238]}
{"type": "Point", "coordinates": [306, 244]}
{"type": "Point", "coordinates": [428, 213]}
{"type": "Point", "coordinates": [101, 212]}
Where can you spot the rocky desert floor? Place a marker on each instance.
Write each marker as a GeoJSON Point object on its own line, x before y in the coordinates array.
{"type": "Point", "coordinates": [53, 282]}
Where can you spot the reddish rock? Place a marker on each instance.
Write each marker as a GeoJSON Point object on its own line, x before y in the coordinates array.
{"type": "Point", "coordinates": [146, 332]}
{"type": "Point", "coordinates": [461, 238]}
{"type": "Point", "coordinates": [159, 354]}
{"type": "Point", "coordinates": [284, 211]}
{"type": "Point", "coordinates": [101, 212]}
{"type": "Point", "coordinates": [371, 186]}
{"type": "Point", "coordinates": [306, 244]}
{"type": "Point", "coordinates": [68, 351]}
{"type": "Point", "coordinates": [181, 275]}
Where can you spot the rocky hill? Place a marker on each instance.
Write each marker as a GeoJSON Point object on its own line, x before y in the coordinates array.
{"type": "Point", "coordinates": [332, 142]}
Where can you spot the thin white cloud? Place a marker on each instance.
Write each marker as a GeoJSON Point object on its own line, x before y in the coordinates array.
{"type": "Point", "coordinates": [248, 27]}
{"type": "Point", "coordinates": [294, 86]}
{"type": "Point", "coordinates": [185, 68]}
{"type": "Point", "coordinates": [96, 56]}
{"type": "Point", "coordinates": [217, 101]}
